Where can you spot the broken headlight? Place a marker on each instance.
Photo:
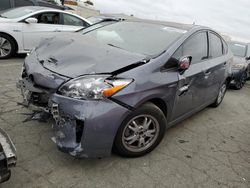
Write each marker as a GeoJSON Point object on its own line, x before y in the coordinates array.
{"type": "Point", "coordinates": [93, 87]}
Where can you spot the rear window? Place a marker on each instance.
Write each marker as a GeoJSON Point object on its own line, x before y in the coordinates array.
{"type": "Point", "coordinates": [138, 37]}
{"type": "Point", "coordinates": [4, 4]}
{"type": "Point", "coordinates": [225, 47]}
{"type": "Point", "coordinates": [216, 47]}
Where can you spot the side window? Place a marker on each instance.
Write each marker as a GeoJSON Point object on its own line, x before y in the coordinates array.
{"type": "Point", "coordinates": [49, 18]}
{"type": "Point", "coordinates": [20, 3]}
{"type": "Point", "coordinates": [72, 20]}
{"type": "Point", "coordinates": [196, 46]}
{"type": "Point", "coordinates": [4, 4]}
{"type": "Point", "coordinates": [216, 47]}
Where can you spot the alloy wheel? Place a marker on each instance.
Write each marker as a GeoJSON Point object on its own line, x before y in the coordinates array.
{"type": "Point", "coordinates": [140, 133]}
{"type": "Point", "coordinates": [5, 47]}
{"type": "Point", "coordinates": [222, 93]}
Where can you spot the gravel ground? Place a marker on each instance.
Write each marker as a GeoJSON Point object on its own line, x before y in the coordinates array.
{"type": "Point", "coordinates": [210, 149]}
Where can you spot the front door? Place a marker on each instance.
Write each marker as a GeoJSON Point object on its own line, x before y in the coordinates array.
{"type": "Point", "coordinates": [216, 67]}
{"type": "Point", "coordinates": [192, 86]}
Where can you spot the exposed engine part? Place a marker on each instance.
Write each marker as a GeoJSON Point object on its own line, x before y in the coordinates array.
{"type": "Point", "coordinates": [40, 116]}
{"type": "Point", "coordinates": [8, 156]}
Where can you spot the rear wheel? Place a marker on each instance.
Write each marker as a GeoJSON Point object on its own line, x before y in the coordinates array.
{"type": "Point", "coordinates": [7, 46]}
{"type": "Point", "coordinates": [141, 131]}
{"type": "Point", "coordinates": [221, 95]}
{"type": "Point", "coordinates": [239, 84]}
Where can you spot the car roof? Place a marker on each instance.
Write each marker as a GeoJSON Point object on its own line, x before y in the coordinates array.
{"type": "Point", "coordinates": [164, 23]}
{"type": "Point", "coordinates": [36, 8]}
{"type": "Point", "coordinates": [176, 25]}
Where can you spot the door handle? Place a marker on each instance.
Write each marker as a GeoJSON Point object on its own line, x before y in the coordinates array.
{"type": "Point", "coordinates": [207, 73]}
{"type": "Point", "coordinates": [183, 89]}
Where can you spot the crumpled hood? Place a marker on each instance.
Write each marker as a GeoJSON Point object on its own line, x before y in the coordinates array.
{"type": "Point", "coordinates": [74, 55]}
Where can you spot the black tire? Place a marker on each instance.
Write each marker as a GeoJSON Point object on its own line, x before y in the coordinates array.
{"type": "Point", "coordinates": [12, 50]}
{"type": "Point", "coordinates": [239, 83]}
{"type": "Point", "coordinates": [220, 97]}
{"type": "Point", "coordinates": [158, 117]}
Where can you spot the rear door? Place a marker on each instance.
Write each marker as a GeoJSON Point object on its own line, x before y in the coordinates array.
{"type": "Point", "coordinates": [72, 23]}
{"type": "Point", "coordinates": [216, 66]}
{"type": "Point", "coordinates": [48, 26]}
{"type": "Point", "coordinates": [192, 84]}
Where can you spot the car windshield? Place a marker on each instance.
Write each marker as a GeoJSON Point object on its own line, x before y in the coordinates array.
{"type": "Point", "coordinates": [94, 26]}
{"type": "Point", "coordinates": [238, 49]}
{"type": "Point", "coordinates": [16, 13]}
{"type": "Point", "coordinates": [143, 38]}
{"type": "Point", "coordinates": [94, 20]}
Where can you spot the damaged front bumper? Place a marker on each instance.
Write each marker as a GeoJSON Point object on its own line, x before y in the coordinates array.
{"type": "Point", "coordinates": [82, 128]}
{"type": "Point", "coordinates": [86, 128]}
{"type": "Point", "coordinates": [7, 156]}
{"type": "Point", "coordinates": [33, 97]}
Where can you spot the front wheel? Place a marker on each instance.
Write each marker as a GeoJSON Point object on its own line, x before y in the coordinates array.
{"type": "Point", "coordinates": [221, 95]}
{"type": "Point", "coordinates": [141, 131]}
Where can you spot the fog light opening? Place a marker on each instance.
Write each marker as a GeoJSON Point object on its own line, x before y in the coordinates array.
{"type": "Point", "coordinates": [79, 130]}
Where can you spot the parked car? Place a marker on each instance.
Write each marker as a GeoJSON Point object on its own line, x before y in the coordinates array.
{"type": "Point", "coordinates": [7, 156]}
{"type": "Point", "coordinates": [241, 64]}
{"type": "Point", "coordinates": [21, 29]}
{"type": "Point", "coordinates": [8, 4]}
{"type": "Point", "coordinates": [121, 85]}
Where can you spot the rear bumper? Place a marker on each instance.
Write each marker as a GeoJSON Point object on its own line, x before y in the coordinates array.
{"type": "Point", "coordinates": [7, 156]}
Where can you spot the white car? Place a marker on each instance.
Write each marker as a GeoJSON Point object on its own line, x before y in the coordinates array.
{"type": "Point", "coordinates": [21, 29]}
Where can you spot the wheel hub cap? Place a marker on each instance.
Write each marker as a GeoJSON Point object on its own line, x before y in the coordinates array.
{"type": "Point", "coordinates": [140, 133]}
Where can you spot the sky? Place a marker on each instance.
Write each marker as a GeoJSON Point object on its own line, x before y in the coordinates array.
{"type": "Point", "coordinates": [229, 17]}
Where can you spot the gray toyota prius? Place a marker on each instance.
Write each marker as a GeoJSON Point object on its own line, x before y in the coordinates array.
{"type": "Point", "coordinates": [118, 87]}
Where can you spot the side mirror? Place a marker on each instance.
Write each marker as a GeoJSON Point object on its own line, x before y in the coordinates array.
{"type": "Point", "coordinates": [248, 58]}
{"type": "Point", "coordinates": [184, 63]}
{"type": "Point", "coordinates": [31, 20]}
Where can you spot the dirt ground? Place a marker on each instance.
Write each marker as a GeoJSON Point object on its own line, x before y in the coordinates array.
{"type": "Point", "coordinates": [210, 149]}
